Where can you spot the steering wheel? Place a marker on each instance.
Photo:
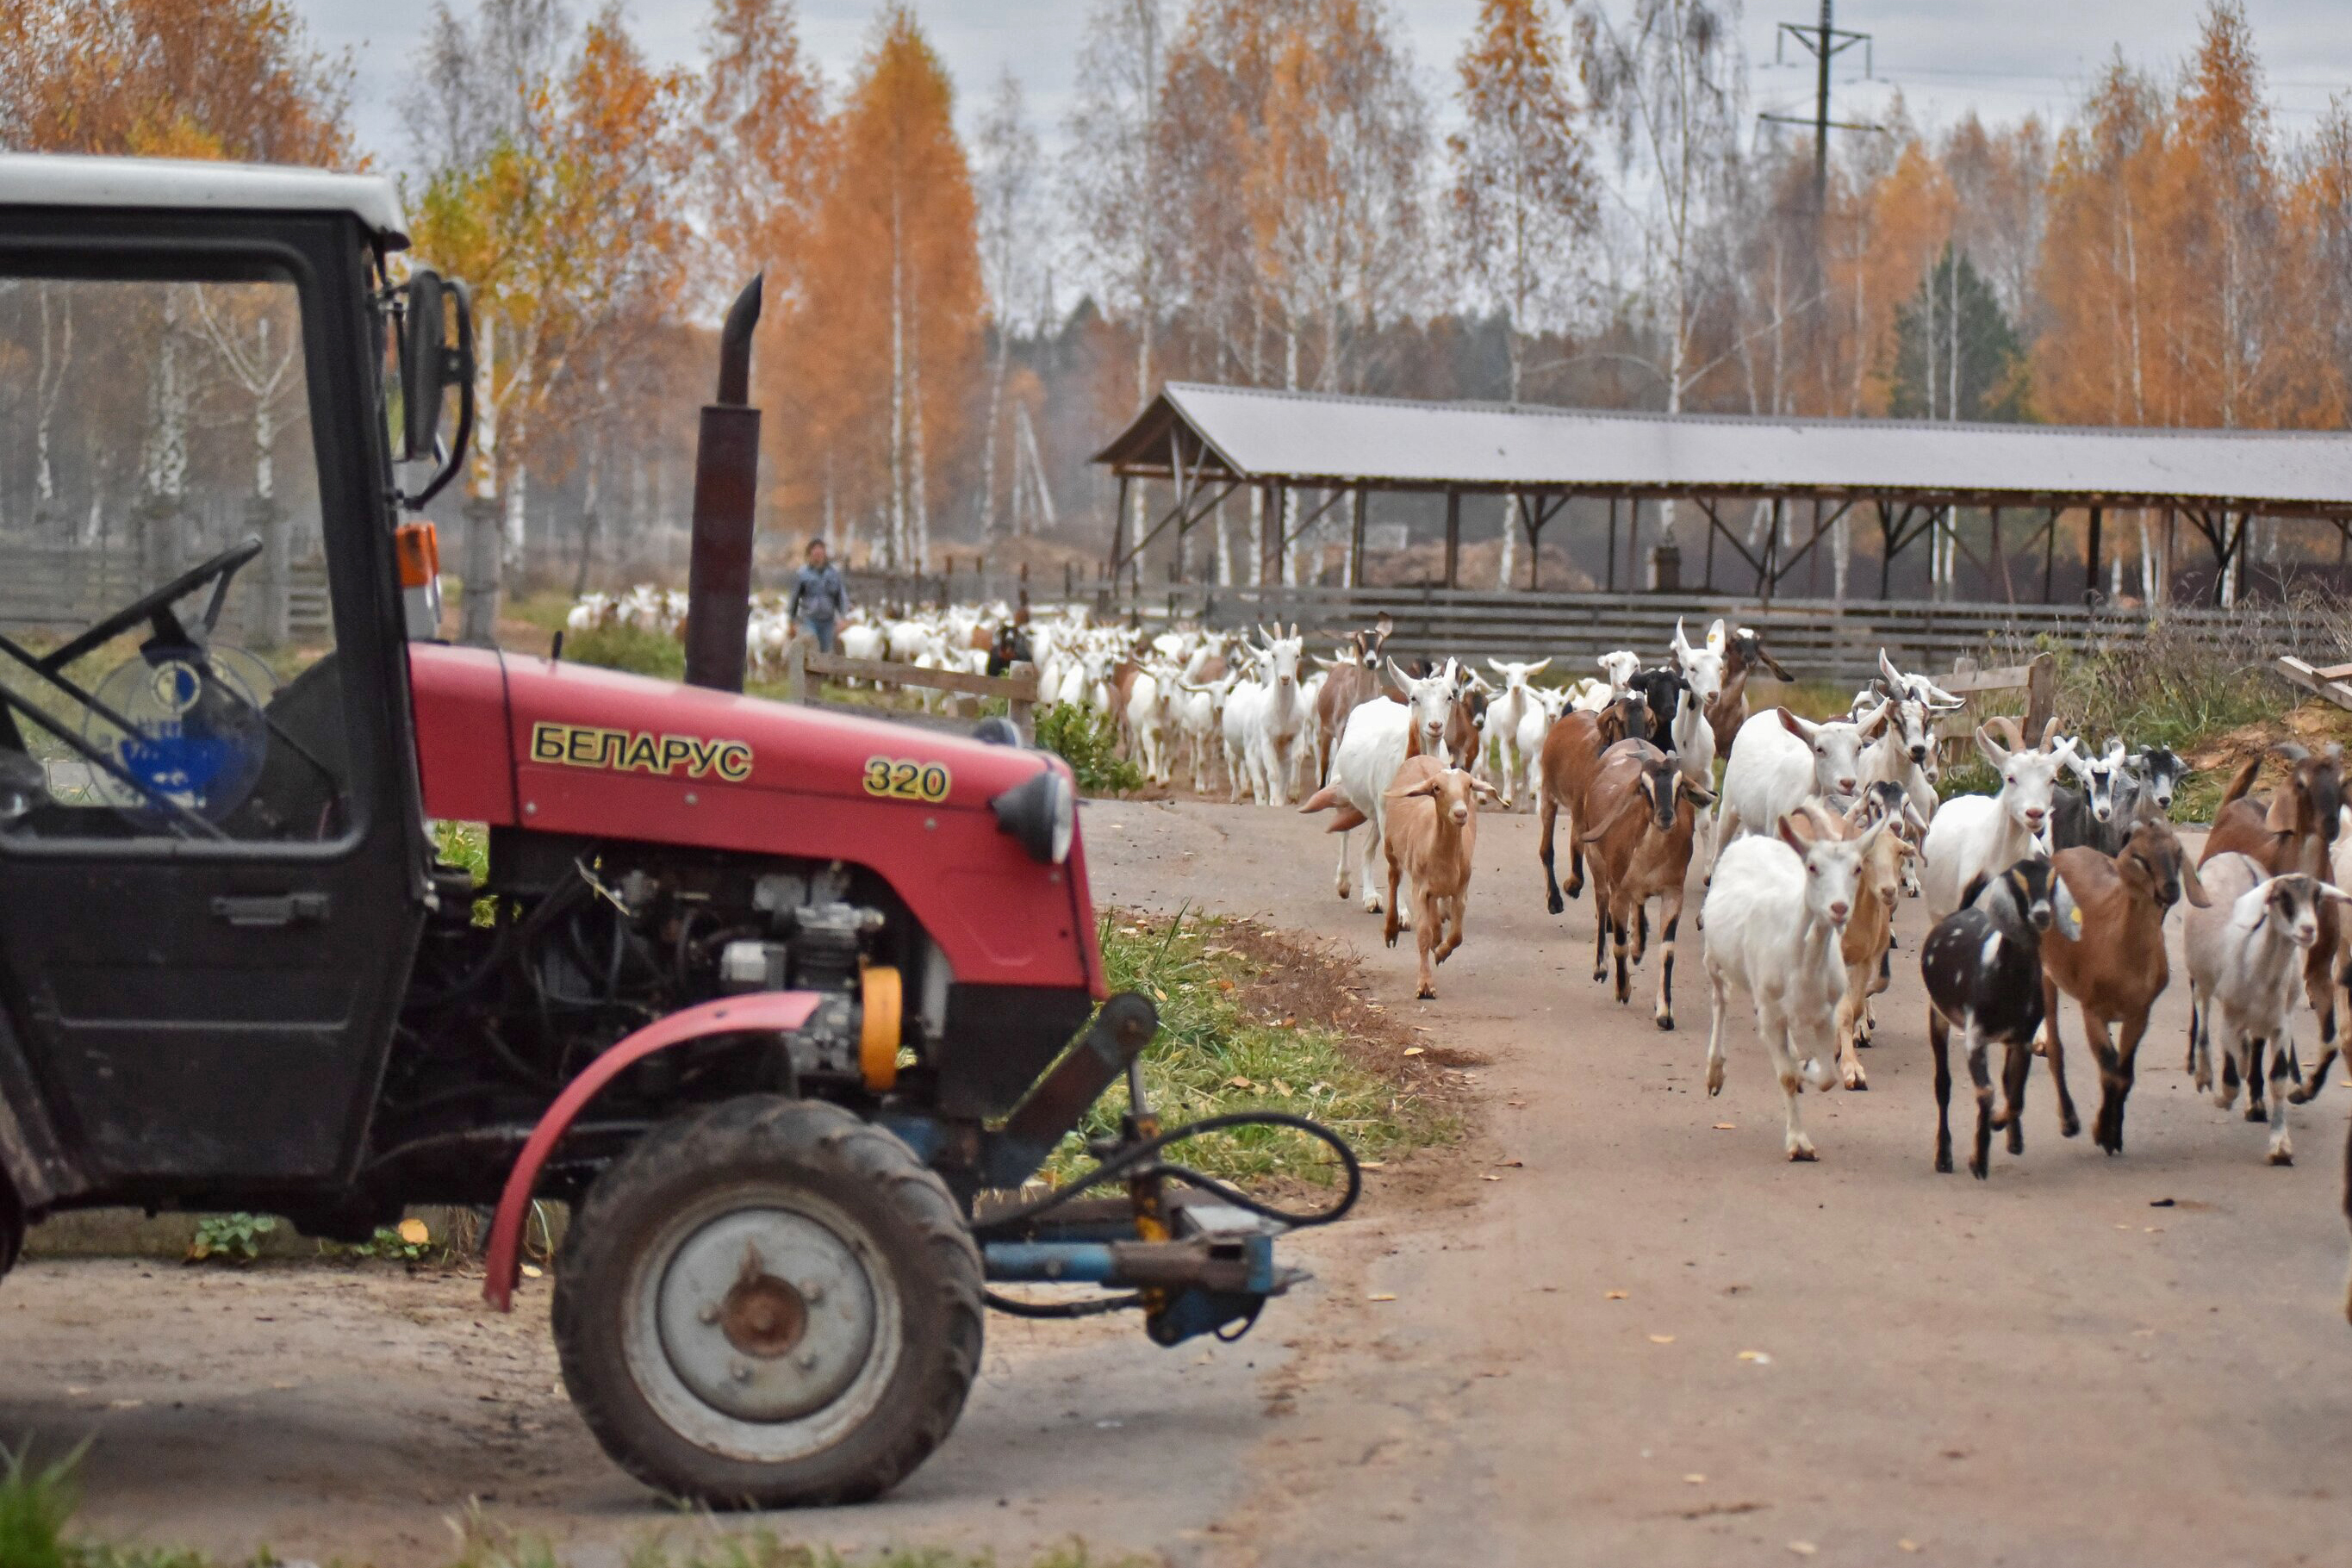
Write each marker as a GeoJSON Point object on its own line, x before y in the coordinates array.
{"type": "Point", "coordinates": [155, 608]}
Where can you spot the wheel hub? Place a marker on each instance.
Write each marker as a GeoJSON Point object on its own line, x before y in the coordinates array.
{"type": "Point", "coordinates": [766, 1314]}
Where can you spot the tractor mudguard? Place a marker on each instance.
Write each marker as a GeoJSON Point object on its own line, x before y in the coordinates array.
{"type": "Point", "coordinates": [762, 1012]}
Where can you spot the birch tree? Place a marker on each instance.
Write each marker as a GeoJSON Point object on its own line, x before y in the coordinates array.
{"type": "Point", "coordinates": [1666, 83]}
{"type": "Point", "coordinates": [1520, 197]}
{"type": "Point", "coordinates": [1006, 187]}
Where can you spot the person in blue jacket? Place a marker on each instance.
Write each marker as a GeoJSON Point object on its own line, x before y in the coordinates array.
{"type": "Point", "coordinates": [820, 598]}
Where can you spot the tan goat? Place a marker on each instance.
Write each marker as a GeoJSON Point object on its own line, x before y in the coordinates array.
{"type": "Point", "coordinates": [1869, 930]}
{"type": "Point", "coordinates": [1431, 834]}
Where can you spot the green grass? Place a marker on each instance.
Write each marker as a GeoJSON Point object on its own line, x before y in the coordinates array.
{"type": "Point", "coordinates": [633, 648]}
{"type": "Point", "coordinates": [1215, 1055]}
{"type": "Point", "coordinates": [1087, 741]}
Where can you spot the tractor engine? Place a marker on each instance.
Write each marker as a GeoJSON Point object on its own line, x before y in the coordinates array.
{"type": "Point", "coordinates": [573, 944]}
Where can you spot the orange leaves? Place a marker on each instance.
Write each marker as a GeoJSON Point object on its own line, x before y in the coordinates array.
{"type": "Point", "coordinates": [213, 79]}
{"type": "Point", "coordinates": [882, 341]}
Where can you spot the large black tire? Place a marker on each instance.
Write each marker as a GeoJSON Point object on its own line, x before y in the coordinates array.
{"type": "Point", "coordinates": [820, 1416]}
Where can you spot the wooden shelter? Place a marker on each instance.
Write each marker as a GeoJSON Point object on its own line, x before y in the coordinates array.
{"type": "Point", "coordinates": [1206, 443]}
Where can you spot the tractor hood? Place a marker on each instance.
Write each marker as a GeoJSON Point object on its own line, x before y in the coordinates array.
{"type": "Point", "coordinates": [577, 749]}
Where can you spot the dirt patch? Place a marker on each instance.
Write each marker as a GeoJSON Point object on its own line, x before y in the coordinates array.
{"type": "Point", "coordinates": [1313, 982]}
{"type": "Point", "coordinates": [2312, 723]}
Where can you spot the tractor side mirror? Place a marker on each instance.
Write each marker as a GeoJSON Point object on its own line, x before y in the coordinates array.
{"type": "Point", "coordinates": [431, 366]}
{"type": "Point", "coordinates": [423, 368]}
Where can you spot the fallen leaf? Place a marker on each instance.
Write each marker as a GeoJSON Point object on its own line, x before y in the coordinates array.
{"type": "Point", "coordinates": [1907, 1544]}
{"type": "Point", "coordinates": [1727, 1127]}
{"type": "Point", "coordinates": [1381, 1296]}
{"type": "Point", "coordinates": [1761, 1357]}
{"type": "Point", "coordinates": [1490, 1178]}
{"type": "Point", "coordinates": [533, 1271]}
{"type": "Point", "coordinates": [1662, 1339]}
{"type": "Point", "coordinates": [2160, 1202]}
{"type": "Point", "coordinates": [1517, 1104]}
{"type": "Point", "coordinates": [1225, 985]}
{"type": "Point", "coordinates": [124, 1404]}
{"type": "Point", "coordinates": [1612, 1295]}
{"type": "Point", "coordinates": [1371, 1164]}
{"type": "Point", "coordinates": [1282, 1087]}
{"type": "Point", "coordinates": [1512, 1164]}
{"type": "Point", "coordinates": [1803, 1548]}
{"type": "Point", "coordinates": [75, 1390]}
{"type": "Point", "coordinates": [1695, 1478]}
{"type": "Point", "coordinates": [413, 1231]}
{"type": "Point", "coordinates": [1239, 1082]}
{"type": "Point", "coordinates": [1414, 1051]}
{"type": "Point", "coordinates": [2123, 1228]}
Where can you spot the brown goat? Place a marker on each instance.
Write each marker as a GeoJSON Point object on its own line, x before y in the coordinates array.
{"type": "Point", "coordinates": [2292, 831]}
{"type": "Point", "coordinates": [1644, 812]}
{"type": "Point", "coordinates": [1572, 755]}
{"type": "Point", "coordinates": [1431, 837]}
{"type": "Point", "coordinates": [1728, 709]}
{"type": "Point", "coordinates": [1353, 682]}
{"type": "Point", "coordinates": [2115, 969]}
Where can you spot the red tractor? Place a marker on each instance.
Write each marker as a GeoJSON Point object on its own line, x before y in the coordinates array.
{"type": "Point", "coordinates": [787, 1005]}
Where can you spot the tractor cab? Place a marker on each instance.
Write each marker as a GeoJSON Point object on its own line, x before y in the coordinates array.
{"type": "Point", "coordinates": [214, 847]}
{"type": "Point", "coordinates": [781, 1003]}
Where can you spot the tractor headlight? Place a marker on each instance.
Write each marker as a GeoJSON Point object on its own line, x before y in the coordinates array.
{"type": "Point", "coordinates": [1042, 813]}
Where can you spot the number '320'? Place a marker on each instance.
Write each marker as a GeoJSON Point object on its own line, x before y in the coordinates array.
{"type": "Point", "coordinates": [898, 779]}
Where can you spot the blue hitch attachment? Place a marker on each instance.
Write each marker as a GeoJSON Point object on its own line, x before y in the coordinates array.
{"type": "Point", "coordinates": [1221, 1273]}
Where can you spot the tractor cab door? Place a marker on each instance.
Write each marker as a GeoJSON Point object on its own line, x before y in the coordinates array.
{"type": "Point", "coordinates": [211, 844]}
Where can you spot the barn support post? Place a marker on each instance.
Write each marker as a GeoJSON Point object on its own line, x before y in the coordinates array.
{"type": "Point", "coordinates": [2050, 553]}
{"type": "Point", "coordinates": [2000, 559]}
{"type": "Point", "coordinates": [1608, 580]}
{"type": "Point", "coordinates": [1356, 537]}
{"type": "Point", "coordinates": [1768, 576]}
{"type": "Point", "coordinates": [1118, 528]}
{"type": "Point", "coordinates": [1453, 538]}
{"type": "Point", "coordinates": [2091, 558]}
{"type": "Point", "coordinates": [1713, 528]}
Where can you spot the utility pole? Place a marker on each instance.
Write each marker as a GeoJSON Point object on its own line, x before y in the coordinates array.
{"type": "Point", "coordinates": [1824, 41]}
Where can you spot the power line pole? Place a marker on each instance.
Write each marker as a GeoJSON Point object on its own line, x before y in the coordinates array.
{"type": "Point", "coordinates": [1824, 41]}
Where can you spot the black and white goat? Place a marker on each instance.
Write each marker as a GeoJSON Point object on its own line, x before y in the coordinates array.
{"type": "Point", "coordinates": [1982, 965]}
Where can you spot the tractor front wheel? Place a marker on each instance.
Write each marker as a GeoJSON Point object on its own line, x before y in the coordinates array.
{"type": "Point", "coordinates": [769, 1305]}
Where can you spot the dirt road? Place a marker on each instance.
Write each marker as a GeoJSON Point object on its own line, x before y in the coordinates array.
{"type": "Point", "coordinates": [2043, 1368]}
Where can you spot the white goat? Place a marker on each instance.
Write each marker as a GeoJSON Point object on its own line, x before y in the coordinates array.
{"type": "Point", "coordinates": [1507, 714]}
{"type": "Point", "coordinates": [1197, 710]}
{"type": "Point", "coordinates": [1774, 914]}
{"type": "Point", "coordinates": [1779, 761]}
{"type": "Point", "coordinates": [1984, 835]}
{"type": "Point", "coordinates": [1550, 702]}
{"type": "Point", "coordinates": [1701, 666]}
{"type": "Point", "coordinates": [2246, 951]}
{"type": "Point", "coordinates": [1279, 719]}
{"type": "Point", "coordinates": [1621, 667]}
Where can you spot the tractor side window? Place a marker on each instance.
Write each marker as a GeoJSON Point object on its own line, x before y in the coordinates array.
{"type": "Point", "coordinates": [166, 650]}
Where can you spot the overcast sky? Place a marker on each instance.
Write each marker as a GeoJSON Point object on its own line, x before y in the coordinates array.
{"type": "Point", "coordinates": [2004, 58]}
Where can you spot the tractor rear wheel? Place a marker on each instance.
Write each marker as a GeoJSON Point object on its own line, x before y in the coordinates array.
{"type": "Point", "coordinates": [771, 1304]}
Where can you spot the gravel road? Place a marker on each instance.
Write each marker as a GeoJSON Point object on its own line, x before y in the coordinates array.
{"type": "Point", "coordinates": [1620, 1332]}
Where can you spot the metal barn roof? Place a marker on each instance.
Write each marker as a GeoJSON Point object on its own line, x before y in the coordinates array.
{"type": "Point", "coordinates": [1261, 435]}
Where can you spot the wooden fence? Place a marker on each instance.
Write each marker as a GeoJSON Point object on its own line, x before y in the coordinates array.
{"type": "Point", "coordinates": [1019, 690]}
{"type": "Point", "coordinates": [58, 589]}
{"type": "Point", "coordinates": [1815, 638]}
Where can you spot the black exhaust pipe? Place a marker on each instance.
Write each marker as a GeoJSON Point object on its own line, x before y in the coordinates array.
{"type": "Point", "coordinates": [726, 494]}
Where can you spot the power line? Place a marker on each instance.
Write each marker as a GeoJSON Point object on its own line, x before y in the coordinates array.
{"type": "Point", "coordinates": [1825, 43]}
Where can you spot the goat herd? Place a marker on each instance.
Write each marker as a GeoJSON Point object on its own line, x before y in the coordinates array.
{"type": "Point", "coordinates": [2056, 883]}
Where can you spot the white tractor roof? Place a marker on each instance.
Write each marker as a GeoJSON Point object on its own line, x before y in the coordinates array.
{"type": "Point", "coordinates": [67, 180]}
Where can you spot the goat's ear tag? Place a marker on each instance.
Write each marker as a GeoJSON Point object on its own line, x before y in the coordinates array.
{"type": "Point", "coordinates": [2074, 914]}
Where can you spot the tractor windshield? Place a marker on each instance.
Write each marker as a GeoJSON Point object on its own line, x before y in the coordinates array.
{"type": "Point", "coordinates": [165, 647]}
